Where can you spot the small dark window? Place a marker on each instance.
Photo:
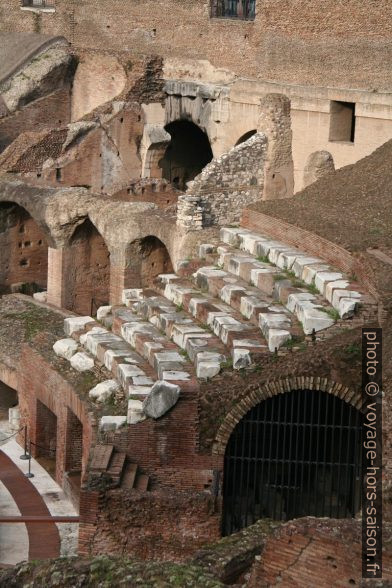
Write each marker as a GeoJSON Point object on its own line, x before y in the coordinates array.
{"type": "Point", "coordinates": [58, 174]}
{"type": "Point", "coordinates": [38, 3]}
{"type": "Point", "coordinates": [342, 122]}
{"type": "Point", "coordinates": [241, 9]}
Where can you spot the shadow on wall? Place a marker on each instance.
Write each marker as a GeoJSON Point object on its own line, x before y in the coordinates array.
{"type": "Point", "coordinates": [187, 154]}
{"type": "Point", "coordinates": [245, 137]}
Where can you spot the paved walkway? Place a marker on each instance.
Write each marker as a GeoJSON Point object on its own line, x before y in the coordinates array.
{"type": "Point", "coordinates": [44, 538]}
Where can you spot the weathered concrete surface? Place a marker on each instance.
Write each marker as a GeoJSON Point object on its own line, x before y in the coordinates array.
{"type": "Point", "coordinates": [16, 49]}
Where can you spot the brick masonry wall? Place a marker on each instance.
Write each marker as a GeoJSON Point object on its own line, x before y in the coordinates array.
{"type": "Point", "coordinates": [51, 111]}
{"type": "Point", "coordinates": [23, 250]}
{"type": "Point", "coordinates": [164, 525]}
{"type": "Point", "coordinates": [307, 552]}
{"type": "Point", "coordinates": [225, 186]}
{"type": "Point", "coordinates": [307, 41]}
{"type": "Point", "coordinates": [45, 397]}
{"type": "Point", "coordinates": [86, 271]}
{"type": "Point", "coordinates": [157, 191]}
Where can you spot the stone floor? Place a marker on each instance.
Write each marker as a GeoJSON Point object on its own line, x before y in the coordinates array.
{"type": "Point", "coordinates": [35, 496]}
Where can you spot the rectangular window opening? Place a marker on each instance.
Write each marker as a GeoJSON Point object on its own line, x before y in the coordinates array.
{"type": "Point", "coordinates": [40, 4]}
{"type": "Point", "coordinates": [237, 9]}
{"type": "Point", "coordinates": [342, 122]}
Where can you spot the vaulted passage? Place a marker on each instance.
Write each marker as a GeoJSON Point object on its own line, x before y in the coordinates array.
{"type": "Point", "coordinates": [148, 258]}
{"type": "Point", "coordinates": [186, 155]}
{"type": "Point", "coordinates": [87, 271]}
{"type": "Point", "coordinates": [23, 252]}
{"type": "Point", "coordinates": [295, 454]}
{"type": "Point", "coordinates": [45, 448]}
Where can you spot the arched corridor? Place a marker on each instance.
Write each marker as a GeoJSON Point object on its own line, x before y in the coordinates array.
{"type": "Point", "coordinates": [23, 251]}
{"type": "Point", "coordinates": [147, 259]}
{"type": "Point", "coordinates": [187, 154]}
{"type": "Point", "coordinates": [87, 270]}
{"type": "Point", "coordinates": [295, 454]}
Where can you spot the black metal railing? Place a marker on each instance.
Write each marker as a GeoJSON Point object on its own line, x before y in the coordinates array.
{"type": "Point", "coordinates": [239, 9]}
{"type": "Point", "coordinates": [37, 3]}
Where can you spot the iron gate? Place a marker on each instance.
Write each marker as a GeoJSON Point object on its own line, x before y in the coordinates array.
{"type": "Point", "coordinates": [241, 9]}
{"type": "Point", "coordinates": [295, 454]}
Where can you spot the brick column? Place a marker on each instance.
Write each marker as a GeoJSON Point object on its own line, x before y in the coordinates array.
{"type": "Point", "coordinates": [89, 508]}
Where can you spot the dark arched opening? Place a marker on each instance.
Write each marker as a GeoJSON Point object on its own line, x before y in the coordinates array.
{"type": "Point", "coordinates": [186, 155]}
{"type": "Point", "coordinates": [147, 259]}
{"type": "Point", "coordinates": [246, 136]}
{"type": "Point", "coordinates": [295, 454]}
{"type": "Point", "coordinates": [87, 271]}
{"type": "Point", "coordinates": [23, 251]}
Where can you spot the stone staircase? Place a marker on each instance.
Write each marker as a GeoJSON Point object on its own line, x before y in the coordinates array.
{"type": "Point", "coordinates": [244, 297]}
{"type": "Point", "coordinates": [106, 461]}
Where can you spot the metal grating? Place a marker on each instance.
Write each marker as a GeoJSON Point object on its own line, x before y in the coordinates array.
{"type": "Point", "coordinates": [295, 454]}
{"type": "Point", "coordinates": [239, 9]}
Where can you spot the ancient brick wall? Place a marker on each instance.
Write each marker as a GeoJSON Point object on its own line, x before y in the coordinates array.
{"type": "Point", "coordinates": [164, 525]}
{"type": "Point", "coordinates": [50, 111]}
{"type": "Point", "coordinates": [227, 184]}
{"type": "Point", "coordinates": [44, 398]}
{"type": "Point", "coordinates": [86, 271]}
{"type": "Point", "coordinates": [308, 552]}
{"type": "Point", "coordinates": [309, 41]}
{"type": "Point", "coordinates": [157, 191]}
{"type": "Point", "coordinates": [23, 250]}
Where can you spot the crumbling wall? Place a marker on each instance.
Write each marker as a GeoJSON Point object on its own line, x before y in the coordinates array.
{"type": "Point", "coordinates": [225, 186]}
{"type": "Point", "coordinates": [275, 123]}
{"type": "Point", "coordinates": [23, 251]}
{"type": "Point", "coordinates": [309, 552]}
{"type": "Point", "coordinates": [47, 112]}
{"type": "Point", "coordinates": [102, 154]}
{"type": "Point", "coordinates": [98, 79]}
{"type": "Point", "coordinates": [158, 525]}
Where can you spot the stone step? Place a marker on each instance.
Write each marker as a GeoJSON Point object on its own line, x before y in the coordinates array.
{"type": "Point", "coordinates": [101, 456]}
{"type": "Point", "coordinates": [129, 476]}
{"type": "Point", "coordinates": [116, 465]}
{"type": "Point", "coordinates": [212, 316]}
{"type": "Point", "coordinates": [141, 482]}
{"type": "Point", "coordinates": [251, 249]}
{"type": "Point", "coordinates": [227, 305]}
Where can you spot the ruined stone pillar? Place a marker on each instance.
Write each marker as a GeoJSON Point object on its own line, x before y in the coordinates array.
{"type": "Point", "coordinates": [56, 286]}
{"type": "Point", "coordinates": [275, 123]}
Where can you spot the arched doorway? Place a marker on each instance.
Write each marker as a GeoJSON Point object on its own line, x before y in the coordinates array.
{"type": "Point", "coordinates": [186, 155]}
{"type": "Point", "coordinates": [23, 251]}
{"type": "Point", "coordinates": [245, 137]}
{"type": "Point", "coordinates": [147, 259]}
{"type": "Point", "coordinates": [294, 454]}
{"type": "Point", "coordinates": [87, 270]}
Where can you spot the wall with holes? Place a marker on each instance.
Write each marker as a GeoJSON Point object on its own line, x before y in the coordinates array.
{"type": "Point", "coordinates": [23, 252]}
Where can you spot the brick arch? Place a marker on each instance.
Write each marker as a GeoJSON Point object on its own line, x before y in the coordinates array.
{"type": "Point", "coordinates": [270, 389]}
{"type": "Point", "coordinates": [36, 215]}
